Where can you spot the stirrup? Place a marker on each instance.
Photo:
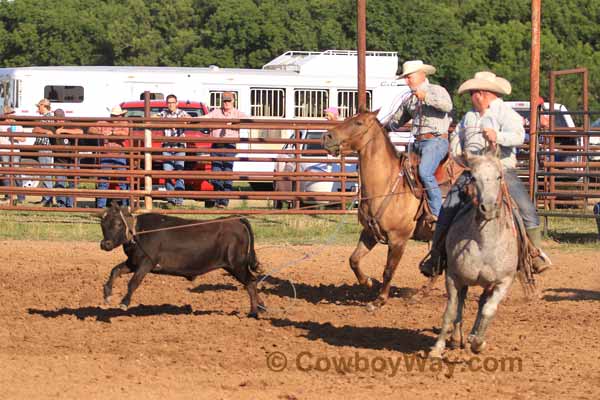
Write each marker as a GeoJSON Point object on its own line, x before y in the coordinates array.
{"type": "Point", "coordinates": [541, 263]}
{"type": "Point", "coordinates": [430, 219]}
{"type": "Point", "coordinates": [431, 265]}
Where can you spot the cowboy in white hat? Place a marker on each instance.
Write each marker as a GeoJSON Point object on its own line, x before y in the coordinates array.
{"type": "Point", "coordinates": [491, 123]}
{"type": "Point", "coordinates": [429, 108]}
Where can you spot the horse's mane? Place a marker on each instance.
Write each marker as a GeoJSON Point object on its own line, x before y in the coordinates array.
{"type": "Point", "coordinates": [388, 142]}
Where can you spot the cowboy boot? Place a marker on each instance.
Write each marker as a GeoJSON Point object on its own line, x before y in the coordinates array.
{"type": "Point", "coordinates": [542, 262]}
{"type": "Point", "coordinates": [433, 263]}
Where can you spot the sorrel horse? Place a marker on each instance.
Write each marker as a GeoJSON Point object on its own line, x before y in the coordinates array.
{"type": "Point", "coordinates": [388, 206]}
{"type": "Point", "coordinates": [482, 249]}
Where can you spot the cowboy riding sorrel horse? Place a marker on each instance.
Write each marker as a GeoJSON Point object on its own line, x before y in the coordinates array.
{"type": "Point", "coordinates": [391, 199]}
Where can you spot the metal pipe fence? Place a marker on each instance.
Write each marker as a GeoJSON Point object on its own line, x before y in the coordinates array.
{"type": "Point", "coordinates": [293, 169]}
{"type": "Point", "coordinates": [78, 170]}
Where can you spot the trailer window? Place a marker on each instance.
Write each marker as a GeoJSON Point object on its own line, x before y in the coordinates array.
{"type": "Point", "coordinates": [216, 99]}
{"type": "Point", "coordinates": [310, 103]}
{"type": "Point", "coordinates": [64, 94]}
{"type": "Point", "coordinates": [3, 90]}
{"type": "Point", "coordinates": [267, 102]}
{"type": "Point", "coordinates": [153, 96]}
{"type": "Point", "coordinates": [348, 102]}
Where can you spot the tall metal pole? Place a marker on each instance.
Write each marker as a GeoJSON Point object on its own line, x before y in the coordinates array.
{"type": "Point", "coordinates": [147, 156]}
{"type": "Point", "coordinates": [536, 17]}
{"type": "Point", "coordinates": [361, 38]}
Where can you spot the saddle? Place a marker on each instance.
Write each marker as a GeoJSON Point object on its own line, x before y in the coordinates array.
{"type": "Point", "coordinates": [446, 174]}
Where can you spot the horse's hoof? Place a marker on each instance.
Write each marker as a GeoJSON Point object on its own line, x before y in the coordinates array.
{"type": "Point", "coordinates": [368, 283]}
{"type": "Point", "coordinates": [477, 345]}
{"type": "Point", "coordinates": [262, 308]}
{"type": "Point", "coordinates": [253, 315]}
{"type": "Point", "coordinates": [375, 305]}
{"type": "Point", "coordinates": [435, 353]}
{"type": "Point", "coordinates": [123, 307]}
{"type": "Point", "coordinates": [455, 344]}
{"type": "Point", "coordinates": [107, 300]}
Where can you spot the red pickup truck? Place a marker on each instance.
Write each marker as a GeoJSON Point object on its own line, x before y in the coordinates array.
{"type": "Point", "coordinates": [194, 109]}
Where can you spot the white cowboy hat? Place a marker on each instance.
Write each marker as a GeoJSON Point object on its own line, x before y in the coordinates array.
{"type": "Point", "coordinates": [416, 65]}
{"type": "Point", "coordinates": [117, 110]}
{"type": "Point", "coordinates": [486, 80]}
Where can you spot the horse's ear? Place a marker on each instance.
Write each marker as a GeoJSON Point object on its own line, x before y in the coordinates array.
{"type": "Point", "coordinates": [101, 214]}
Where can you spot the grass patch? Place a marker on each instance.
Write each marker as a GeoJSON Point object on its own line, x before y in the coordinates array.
{"type": "Point", "coordinates": [292, 229]}
{"type": "Point", "coordinates": [576, 233]}
{"type": "Point", "coordinates": [568, 233]}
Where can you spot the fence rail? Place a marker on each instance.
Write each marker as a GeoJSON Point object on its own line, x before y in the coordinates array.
{"type": "Point", "coordinates": [288, 165]}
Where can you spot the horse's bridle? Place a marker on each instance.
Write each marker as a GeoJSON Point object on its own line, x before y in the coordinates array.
{"type": "Point", "coordinates": [361, 134]}
{"type": "Point", "coordinates": [471, 192]}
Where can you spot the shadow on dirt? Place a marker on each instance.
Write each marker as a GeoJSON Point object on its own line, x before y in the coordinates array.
{"type": "Point", "coordinates": [345, 294]}
{"type": "Point", "coordinates": [210, 287]}
{"type": "Point", "coordinates": [571, 294]}
{"type": "Point", "coordinates": [105, 315]}
{"type": "Point", "coordinates": [375, 338]}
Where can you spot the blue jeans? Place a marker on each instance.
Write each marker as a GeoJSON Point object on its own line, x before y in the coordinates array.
{"type": "Point", "coordinates": [457, 199]}
{"type": "Point", "coordinates": [226, 166]}
{"type": "Point", "coordinates": [174, 165]}
{"type": "Point", "coordinates": [5, 162]}
{"type": "Point", "coordinates": [432, 152]}
{"type": "Point", "coordinates": [103, 184]}
{"type": "Point", "coordinates": [64, 182]}
{"type": "Point", "coordinates": [46, 161]}
{"type": "Point", "coordinates": [517, 191]}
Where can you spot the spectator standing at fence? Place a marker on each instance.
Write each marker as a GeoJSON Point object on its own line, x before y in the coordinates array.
{"type": "Point", "coordinates": [6, 159]}
{"type": "Point", "coordinates": [115, 141]}
{"type": "Point", "coordinates": [332, 114]}
{"type": "Point", "coordinates": [44, 107]}
{"type": "Point", "coordinates": [64, 162]}
{"type": "Point", "coordinates": [174, 149]}
{"type": "Point", "coordinates": [227, 110]}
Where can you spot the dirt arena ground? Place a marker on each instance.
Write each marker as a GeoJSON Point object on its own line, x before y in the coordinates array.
{"type": "Point", "coordinates": [191, 340]}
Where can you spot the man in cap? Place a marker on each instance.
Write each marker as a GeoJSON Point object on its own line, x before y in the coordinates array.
{"type": "Point", "coordinates": [173, 111]}
{"type": "Point", "coordinates": [227, 110]}
{"type": "Point", "coordinates": [64, 162]}
{"type": "Point", "coordinates": [490, 122]}
{"type": "Point", "coordinates": [8, 112]}
{"type": "Point", "coordinates": [114, 132]}
{"type": "Point", "coordinates": [44, 107]}
{"type": "Point", "coordinates": [429, 108]}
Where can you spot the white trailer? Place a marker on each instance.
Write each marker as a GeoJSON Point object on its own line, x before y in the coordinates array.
{"type": "Point", "coordinates": [295, 85]}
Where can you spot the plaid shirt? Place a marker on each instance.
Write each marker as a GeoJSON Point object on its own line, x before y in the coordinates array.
{"type": "Point", "coordinates": [174, 132]}
{"type": "Point", "coordinates": [44, 141]}
{"type": "Point", "coordinates": [430, 116]}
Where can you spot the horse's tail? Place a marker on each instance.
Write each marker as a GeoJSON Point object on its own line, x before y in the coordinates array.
{"type": "Point", "coordinates": [254, 266]}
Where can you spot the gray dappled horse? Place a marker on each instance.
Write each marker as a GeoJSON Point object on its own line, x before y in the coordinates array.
{"type": "Point", "coordinates": [482, 249]}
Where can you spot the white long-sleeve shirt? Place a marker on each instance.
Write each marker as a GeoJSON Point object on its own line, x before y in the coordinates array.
{"type": "Point", "coordinates": [507, 123]}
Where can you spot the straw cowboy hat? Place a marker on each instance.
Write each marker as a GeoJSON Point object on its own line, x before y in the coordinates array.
{"type": "Point", "coordinates": [412, 66]}
{"type": "Point", "coordinates": [7, 110]}
{"type": "Point", "coordinates": [486, 80]}
{"type": "Point", "coordinates": [117, 110]}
